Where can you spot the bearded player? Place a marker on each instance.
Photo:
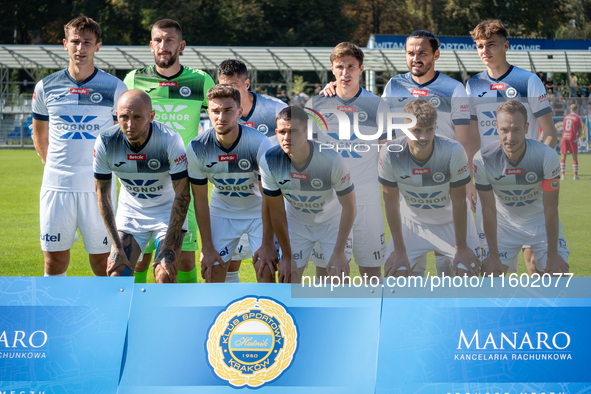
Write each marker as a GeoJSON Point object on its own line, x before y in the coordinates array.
{"type": "Point", "coordinates": [178, 93]}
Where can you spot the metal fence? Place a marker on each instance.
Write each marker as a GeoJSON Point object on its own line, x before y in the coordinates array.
{"type": "Point", "coordinates": [16, 121]}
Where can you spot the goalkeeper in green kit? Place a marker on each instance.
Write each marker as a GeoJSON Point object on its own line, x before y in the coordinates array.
{"type": "Point", "coordinates": [178, 94]}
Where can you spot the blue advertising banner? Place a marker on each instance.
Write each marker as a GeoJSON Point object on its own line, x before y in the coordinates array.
{"type": "Point", "coordinates": [467, 44]}
{"type": "Point", "coordinates": [217, 338]}
{"type": "Point", "coordinates": [496, 345]}
{"type": "Point", "coordinates": [62, 335]}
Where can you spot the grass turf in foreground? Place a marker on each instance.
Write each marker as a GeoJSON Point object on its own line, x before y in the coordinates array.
{"type": "Point", "coordinates": [21, 173]}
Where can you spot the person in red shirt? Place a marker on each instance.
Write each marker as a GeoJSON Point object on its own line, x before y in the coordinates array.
{"type": "Point", "coordinates": [572, 126]}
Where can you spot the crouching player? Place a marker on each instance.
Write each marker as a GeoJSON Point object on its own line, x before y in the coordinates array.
{"type": "Point", "coordinates": [228, 156]}
{"type": "Point", "coordinates": [431, 173]}
{"type": "Point", "coordinates": [150, 161]}
{"type": "Point", "coordinates": [523, 176]}
{"type": "Point", "coordinates": [317, 185]}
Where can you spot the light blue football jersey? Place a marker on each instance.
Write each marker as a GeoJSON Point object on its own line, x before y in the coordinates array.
{"type": "Point", "coordinates": [446, 94]}
{"type": "Point", "coordinates": [234, 172]}
{"type": "Point", "coordinates": [361, 155]}
{"type": "Point", "coordinates": [77, 112]}
{"type": "Point", "coordinates": [263, 113]}
{"type": "Point", "coordinates": [487, 93]}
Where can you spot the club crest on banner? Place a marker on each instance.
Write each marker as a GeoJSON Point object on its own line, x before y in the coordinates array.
{"type": "Point", "coordinates": [251, 342]}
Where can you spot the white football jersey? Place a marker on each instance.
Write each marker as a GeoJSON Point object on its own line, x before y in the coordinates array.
{"type": "Point", "coordinates": [312, 190]}
{"type": "Point", "coordinates": [145, 174]}
{"type": "Point", "coordinates": [517, 186]}
{"type": "Point", "coordinates": [487, 93]}
{"type": "Point", "coordinates": [360, 155]}
{"type": "Point", "coordinates": [234, 172]}
{"type": "Point", "coordinates": [424, 186]}
{"type": "Point", "coordinates": [77, 112]}
{"type": "Point", "coordinates": [445, 93]}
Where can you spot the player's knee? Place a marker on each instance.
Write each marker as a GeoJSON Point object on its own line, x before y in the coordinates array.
{"type": "Point", "coordinates": [98, 263]}
{"type": "Point", "coordinates": [267, 276]}
{"type": "Point", "coordinates": [234, 265]}
{"type": "Point", "coordinates": [56, 263]}
{"type": "Point", "coordinates": [186, 261]}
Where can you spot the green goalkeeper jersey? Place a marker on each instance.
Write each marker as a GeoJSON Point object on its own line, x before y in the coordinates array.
{"type": "Point", "coordinates": [177, 100]}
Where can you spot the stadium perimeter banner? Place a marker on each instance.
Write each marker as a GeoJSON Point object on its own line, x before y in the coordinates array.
{"type": "Point", "coordinates": [467, 44]}
{"type": "Point", "coordinates": [62, 335]}
{"type": "Point", "coordinates": [217, 338]}
{"type": "Point", "coordinates": [518, 340]}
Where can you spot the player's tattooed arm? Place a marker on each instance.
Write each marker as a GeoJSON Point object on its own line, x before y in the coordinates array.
{"type": "Point", "coordinates": [555, 262]}
{"type": "Point", "coordinates": [492, 263]}
{"type": "Point", "coordinates": [178, 213]}
{"type": "Point", "coordinates": [118, 256]}
{"type": "Point", "coordinates": [398, 258]}
{"type": "Point", "coordinates": [280, 226]}
{"type": "Point", "coordinates": [464, 254]}
{"type": "Point", "coordinates": [41, 137]}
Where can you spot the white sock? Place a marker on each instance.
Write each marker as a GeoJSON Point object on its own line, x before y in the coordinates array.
{"type": "Point", "coordinates": [64, 274]}
{"type": "Point", "coordinates": [233, 277]}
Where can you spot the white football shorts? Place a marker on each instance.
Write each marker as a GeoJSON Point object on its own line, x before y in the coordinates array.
{"type": "Point", "coordinates": [369, 238]}
{"type": "Point", "coordinates": [420, 239]}
{"type": "Point", "coordinates": [226, 235]}
{"type": "Point", "coordinates": [62, 213]}
{"type": "Point", "coordinates": [303, 237]}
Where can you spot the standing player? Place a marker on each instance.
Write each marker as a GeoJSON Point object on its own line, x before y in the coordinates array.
{"type": "Point", "coordinates": [70, 108]}
{"type": "Point", "coordinates": [317, 185]}
{"type": "Point", "coordinates": [521, 174]}
{"type": "Point", "coordinates": [228, 156]}
{"type": "Point", "coordinates": [258, 111]}
{"type": "Point", "coordinates": [150, 161]}
{"type": "Point", "coordinates": [572, 127]}
{"type": "Point", "coordinates": [178, 94]}
{"type": "Point", "coordinates": [431, 173]}
{"type": "Point", "coordinates": [501, 82]}
{"type": "Point", "coordinates": [361, 156]}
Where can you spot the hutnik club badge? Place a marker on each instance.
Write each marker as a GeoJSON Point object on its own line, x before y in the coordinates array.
{"type": "Point", "coordinates": [252, 342]}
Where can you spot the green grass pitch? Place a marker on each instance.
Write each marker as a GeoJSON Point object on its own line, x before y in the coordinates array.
{"type": "Point", "coordinates": [21, 173]}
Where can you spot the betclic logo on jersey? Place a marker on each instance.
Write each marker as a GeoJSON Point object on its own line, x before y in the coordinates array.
{"type": "Point", "coordinates": [78, 91]}
{"type": "Point", "coordinates": [514, 171]}
{"type": "Point", "coordinates": [251, 342]}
